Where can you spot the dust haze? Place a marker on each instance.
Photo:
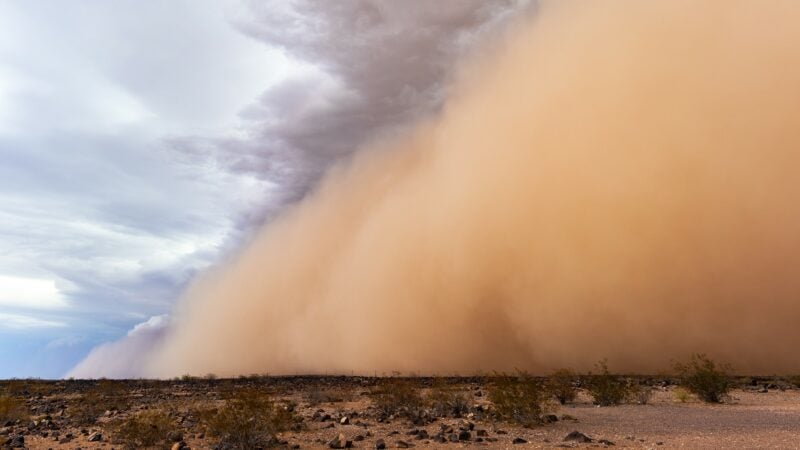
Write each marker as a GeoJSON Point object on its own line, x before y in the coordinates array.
{"type": "Point", "coordinates": [614, 179]}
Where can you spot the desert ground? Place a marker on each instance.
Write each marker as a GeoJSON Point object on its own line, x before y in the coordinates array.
{"type": "Point", "coordinates": [343, 412]}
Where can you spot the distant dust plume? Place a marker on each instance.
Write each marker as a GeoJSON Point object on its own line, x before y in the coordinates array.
{"type": "Point", "coordinates": [614, 179]}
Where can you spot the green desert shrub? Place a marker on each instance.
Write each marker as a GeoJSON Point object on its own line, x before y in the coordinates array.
{"type": "Point", "coordinates": [561, 385]}
{"type": "Point", "coordinates": [448, 401]}
{"type": "Point", "coordinates": [519, 398]}
{"type": "Point", "coordinates": [681, 394]}
{"type": "Point", "coordinates": [248, 420]}
{"type": "Point", "coordinates": [607, 389]}
{"type": "Point", "coordinates": [147, 429]}
{"type": "Point", "coordinates": [398, 397]}
{"type": "Point", "coordinates": [704, 377]}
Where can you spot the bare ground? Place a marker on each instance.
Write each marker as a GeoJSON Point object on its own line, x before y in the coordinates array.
{"type": "Point", "coordinates": [752, 417]}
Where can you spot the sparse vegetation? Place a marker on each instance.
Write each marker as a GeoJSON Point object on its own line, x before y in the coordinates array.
{"type": "Point", "coordinates": [704, 377]}
{"type": "Point", "coordinates": [147, 429]}
{"type": "Point", "coordinates": [248, 420]}
{"type": "Point", "coordinates": [449, 401]}
{"type": "Point", "coordinates": [607, 389]}
{"type": "Point", "coordinates": [11, 409]}
{"type": "Point", "coordinates": [561, 385]}
{"type": "Point", "coordinates": [519, 398]}
{"type": "Point", "coordinates": [398, 397]}
{"type": "Point", "coordinates": [105, 396]}
{"type": "Point", "coordinates": [640, 393]}
{"type": "Point", "coordinates": [681, 394]}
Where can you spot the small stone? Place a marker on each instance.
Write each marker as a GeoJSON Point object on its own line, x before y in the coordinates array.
{"type": "Point", "coordinates": [577, 436]}
{"type": "Point", "coordinates": [482, 433]}
{"type": "Point", "coordinates": [551, 418]}
{"type": "Point", "coordinates": [404, 444]}
{"type": "Point", "coordinates": [380, 444]}
{"type": "Point", "coordinates": [519, 440]}
{"type": "Point", "coordinates": [452, 437]}
{"type": "Point", "coordinates": [344, 420]}
{"type": "Point", "coordinates": [17, 442]}
{"type": "Point", "coordinates": [95, 437]}
{"type": "Point", "coordinates": [338, 442]}
{"type": "Point", "coordinates": [464, 435]}
{"type": "Point", "coordinates": [174, 436]}
{"type": "Point", "coordinates": [605, 442]}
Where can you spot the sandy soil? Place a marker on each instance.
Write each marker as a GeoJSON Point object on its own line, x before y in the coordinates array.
{"type": "Point", "coordinates": [749, 419]}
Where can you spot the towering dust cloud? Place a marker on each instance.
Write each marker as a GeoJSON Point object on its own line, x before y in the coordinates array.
{"type": "Point", "coordinates": [618, 179]}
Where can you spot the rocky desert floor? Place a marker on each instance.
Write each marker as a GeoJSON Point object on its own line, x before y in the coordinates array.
{"type": "Point", "coordinates": [340, 412]}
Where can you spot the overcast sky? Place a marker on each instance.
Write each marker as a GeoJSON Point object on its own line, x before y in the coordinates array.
{"type": "Point", "coordinates": [141, 141]}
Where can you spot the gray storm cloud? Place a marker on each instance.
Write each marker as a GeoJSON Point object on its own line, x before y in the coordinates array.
{"type": "Point", "coordinates": [610, 180]}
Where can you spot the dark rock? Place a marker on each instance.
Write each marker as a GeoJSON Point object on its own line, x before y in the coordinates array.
{"type": "Point", "coordinates": [577, 436]}
{"type": "Point", "coordinates": [380, 444]}
{"type": "Point", "coordinates": [482, 433]}
{"type": "Point", "coordinates": [174, 436]}
{"type": "Point", "coordinates": [422, 435]}
{"type": "Point", "coordinates": [464, 435]}
{"type": "Point", "coordinates": [358, 438]}
{"type": "Point", "coordinates": [17, 442]}
{"type": "Point", "coordinates": [605, 442]}
{"type": "Point", "coordinates": [501, 431]}
{"type": "Point", "coordinates": [519, 440]}
{"type": "Point", "coordinates": [452, 437]}
{"type": "Point", "coordinates": [404, 444]}
{"type": "Point", "coordinates": [551, 418]}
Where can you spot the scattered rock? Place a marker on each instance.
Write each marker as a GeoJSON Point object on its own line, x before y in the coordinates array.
{"type": "Point", "coordinates": [339, 441]}
{"type": "Point", "coordinates": [179, 446]}
{"type": "Point", "coordinates": [17, 442]}
{"type": "Point", "coordinates": [174, 436]}
{"type": "Point", "coordinates": [95, 437]}
{"type": "Point", "coordinates": [577, 436]}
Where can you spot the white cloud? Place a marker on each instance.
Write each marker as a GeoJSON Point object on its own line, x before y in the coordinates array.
{"type": "Point", "coordinates": [30, 293]}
